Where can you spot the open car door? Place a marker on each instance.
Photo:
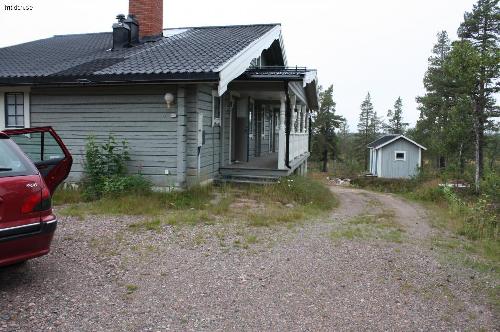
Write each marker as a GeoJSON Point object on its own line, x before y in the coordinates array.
{"type": "Point", "coordinates": [47, 151]}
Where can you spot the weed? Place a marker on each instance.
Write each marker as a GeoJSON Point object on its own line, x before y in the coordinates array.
{"type": "Point", "coordinates": [251, 239]}
{"type": "Point", "coordinates": [199, 239]}
{"type": "Point", "coordinates": [131, 289]}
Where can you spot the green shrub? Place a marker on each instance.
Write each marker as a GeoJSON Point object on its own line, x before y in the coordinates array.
{"type": "Point", "coordinates": [480, 220]}
{"type": "Point", "coordinates": [490, 186]}
{"type": "Point", "coordinates": [428, 191]}
{"type": "Point", "coordinates": [105, 168]}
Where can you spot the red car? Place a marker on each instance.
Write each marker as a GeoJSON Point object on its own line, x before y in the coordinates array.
{"type": "Point", "coordinates": [33, 162]}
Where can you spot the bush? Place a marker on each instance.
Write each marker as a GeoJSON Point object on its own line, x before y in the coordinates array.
{"type": "Point", "coordinates": [428, 191]}
{"type": "Point", "coordinates": [105, 168]}
{"type": "Point", "coordinates": [490, 186]}
{"type": "Point", "coordinates": [479, 217]}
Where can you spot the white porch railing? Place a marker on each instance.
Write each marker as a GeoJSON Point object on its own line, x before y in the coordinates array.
{"type": "Point", "coordinates": [299, 132]}
{"type": "Point", "coordinates": [299, 144]}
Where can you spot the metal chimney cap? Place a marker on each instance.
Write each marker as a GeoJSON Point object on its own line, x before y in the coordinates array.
{"type": "Point", "coordinates": [120, 17]}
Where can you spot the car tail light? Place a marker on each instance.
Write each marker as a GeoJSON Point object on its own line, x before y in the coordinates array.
{"type": "Point", "coordinates": [37, 202]}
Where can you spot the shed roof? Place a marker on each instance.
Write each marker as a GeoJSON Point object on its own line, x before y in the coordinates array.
{"type": "Point", "coordinates": [388, 139]}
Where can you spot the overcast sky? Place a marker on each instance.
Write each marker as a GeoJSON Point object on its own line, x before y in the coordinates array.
{"type": "Point", "coordinates": [378, 46]}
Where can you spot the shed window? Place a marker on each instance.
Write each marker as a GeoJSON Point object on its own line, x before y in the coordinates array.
{"type": "Point", "coordinates": [400, 155]}
{"type": "Point", "coordinates": [14, 110]}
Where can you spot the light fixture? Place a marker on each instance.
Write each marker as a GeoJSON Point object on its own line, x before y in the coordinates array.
{"type": "Point", "coordinates": [169, 99]}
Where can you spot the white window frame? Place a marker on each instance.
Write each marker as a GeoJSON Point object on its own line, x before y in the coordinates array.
{"type": "Point", "coordinates": [216, 120]}
{"type": "Point", "coordinates": [396, 154]}
{"type": "Point", "coordinates": [26, 106]}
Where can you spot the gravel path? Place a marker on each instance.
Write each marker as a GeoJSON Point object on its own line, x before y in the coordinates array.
{"type": "Point", "coordinates": [101, 276]}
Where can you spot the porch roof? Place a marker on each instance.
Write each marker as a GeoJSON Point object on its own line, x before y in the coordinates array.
{"type": "Point", "coordinates": [301, 81]}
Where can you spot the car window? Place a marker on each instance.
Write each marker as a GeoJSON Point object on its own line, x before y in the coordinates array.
{"type": "Point", "coordinates": [39, 147]}
{"type": "Point", "coordinates": [12, 161]}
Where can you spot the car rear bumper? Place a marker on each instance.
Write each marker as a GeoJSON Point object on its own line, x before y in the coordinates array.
{"type": "Point", "coordinates": [25, 242]}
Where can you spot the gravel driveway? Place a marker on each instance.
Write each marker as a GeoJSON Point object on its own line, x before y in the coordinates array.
{"type": "Point", "coordinates": [103, 276]}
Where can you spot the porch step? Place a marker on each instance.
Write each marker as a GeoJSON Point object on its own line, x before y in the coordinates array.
{"type": "Point", "coordinates": [253, 172]}
{"type": "Point", "coordinates": [246, 179]}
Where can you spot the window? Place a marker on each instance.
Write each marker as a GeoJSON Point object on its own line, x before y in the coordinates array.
{"type": "Point", "coordinates": [216, 110]}
{"type": "Point", "coordinates": [400, 155]}
{"type": "Point", "coordinates": [12, 161]}
{"type": "Point", "coordinates": [14, 110]}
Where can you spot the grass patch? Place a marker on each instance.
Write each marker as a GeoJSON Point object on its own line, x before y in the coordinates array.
{"type": "Point", "coordinates": [371, 226]}
{"type": "Point", "coordinates": [66, 196]}
{"type": "Point", "coordinates": [287, 202]}
{"type": "Point", "coordinates": [276, 216]}
{"type": "Point", "coordinates": [150, 225]}
{"type": "Point", "coordinates": [480, 256]}
{"type": "Point", "coordinates": [149, 204]}
{"type": "Point", "coordinates": [349, 233]}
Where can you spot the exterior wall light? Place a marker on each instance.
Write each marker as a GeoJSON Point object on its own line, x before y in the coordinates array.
{"type": "Point", "coordinates": [169, 99]}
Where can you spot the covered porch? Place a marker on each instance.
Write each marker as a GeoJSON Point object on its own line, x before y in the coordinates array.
{"type": "Point", "coordinates": [265, 124]}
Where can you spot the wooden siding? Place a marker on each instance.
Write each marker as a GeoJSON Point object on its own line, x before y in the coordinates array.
{"type": "Point", "coordinates": [136, 114]}
{"type": "Point", "coordinates": [204, 166]}
{"type": "Point", "coordinates": [391, 168]}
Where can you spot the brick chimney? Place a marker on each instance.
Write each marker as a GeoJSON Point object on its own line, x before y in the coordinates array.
{"type": "Point", "coordinates": [149, 14]}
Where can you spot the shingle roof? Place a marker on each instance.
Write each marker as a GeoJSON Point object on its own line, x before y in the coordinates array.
{"type": "Point", "coordinates": [200, 50]}
{"type": "Point", "coordinates": [382, 140]}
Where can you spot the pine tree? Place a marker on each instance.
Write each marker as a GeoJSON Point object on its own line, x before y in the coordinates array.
{"type": "Point", "coordinates": [481, 27]}
{"type": "Point", "coordinates": [396, 124]}
{"type": "Point", "coordinates": [376, 125]}
{"type": "Point", "coordinates": [367, 126]}
{"type": "Point", "coordinates": [325, 123]}
{"type": "Point", "coordinates": [435, 104]}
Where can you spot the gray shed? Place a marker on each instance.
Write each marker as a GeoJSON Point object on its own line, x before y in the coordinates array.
{"type": "Point", "coordinates": [395, 156]}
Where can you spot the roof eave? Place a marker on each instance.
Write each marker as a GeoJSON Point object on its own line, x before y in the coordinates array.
{"type": "Point", "coordinates": [117, 78]}
{"type": "Point", "coordinates": [237, 65]}
{"type": "Point", "coordinates": [395, 139]}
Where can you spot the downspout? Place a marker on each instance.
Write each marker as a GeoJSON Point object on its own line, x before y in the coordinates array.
{"type": "Point", "coordinates": [287, 127]}
{"type": "Point", "coordinates": [309, 143]}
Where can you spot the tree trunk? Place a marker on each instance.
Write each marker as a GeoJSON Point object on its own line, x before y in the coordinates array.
{"type": "Point", "coordinates": [478, 142]}
{"type": "Point", "coordinates": [461, 159]}
{"type": "Point", "coordinates": [325, 160]}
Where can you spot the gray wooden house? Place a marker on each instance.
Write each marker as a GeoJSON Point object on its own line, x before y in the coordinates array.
{"type": "Point", "coordinates": [395, 156]}
{"type": "Point", "coordinates": [194, 104]}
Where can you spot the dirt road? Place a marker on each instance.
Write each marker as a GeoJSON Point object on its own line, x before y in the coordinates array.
{"type": "Point", "coordinates": [370, 265]}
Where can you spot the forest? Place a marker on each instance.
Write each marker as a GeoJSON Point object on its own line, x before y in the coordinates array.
{"type": "Point", "coordinates": [458, 122]}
